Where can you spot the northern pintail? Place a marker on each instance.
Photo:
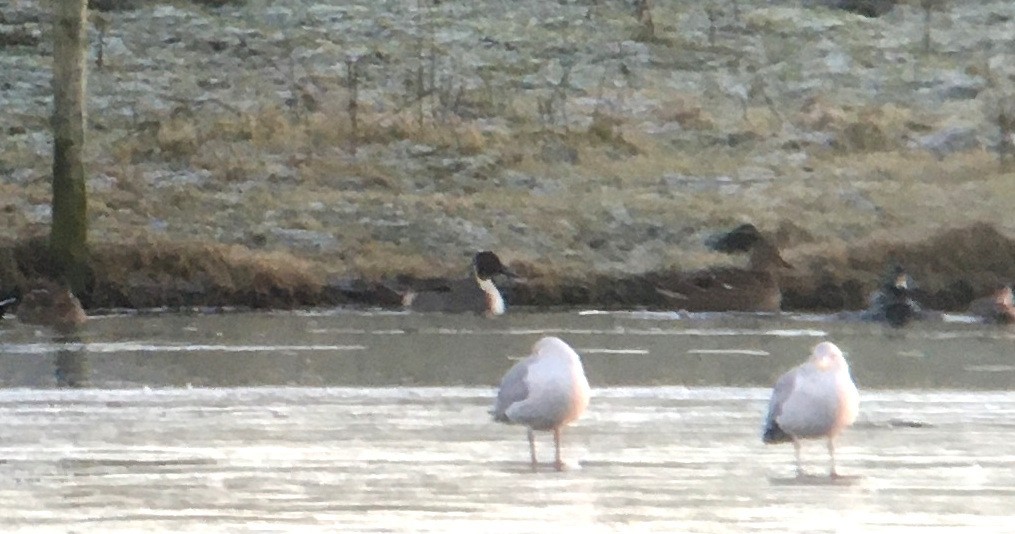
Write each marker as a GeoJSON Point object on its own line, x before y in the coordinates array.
{"type": "Point", "coordinates": [814, 400]}
{"type": "Point", "coordinates": [477, 293]}
{"type": "Point", "coordinates": [546, 391]}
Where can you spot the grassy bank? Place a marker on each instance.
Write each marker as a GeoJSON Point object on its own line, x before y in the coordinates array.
{"type": "Point", "coordinates": [951, 269]}
{"type": "Point", "coordinates": [280, 155]}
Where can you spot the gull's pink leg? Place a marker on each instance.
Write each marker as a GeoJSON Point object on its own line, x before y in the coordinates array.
{"type": "Point", "coordinates": [558, 463]}
{"type": "Point", "coordinates": [532, 448]}
{"type": "Point", "coordinates": [831, 455]}
{"type": "Point", "coordinates": [799, 465]}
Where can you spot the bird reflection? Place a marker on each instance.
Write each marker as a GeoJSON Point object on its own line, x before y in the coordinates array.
{"type": "Point", "coordinates": [71, 362]}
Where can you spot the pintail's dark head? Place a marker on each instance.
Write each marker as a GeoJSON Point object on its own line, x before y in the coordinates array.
{"type": "Point", "coordinates": [898, 279]}
{"type": "Point", "coordinates": [486, 265]}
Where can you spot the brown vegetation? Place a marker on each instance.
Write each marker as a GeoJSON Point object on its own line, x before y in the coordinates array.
{"type": "Point", "coordinates": [950, 268]}
{"type": "Point", "coordinates": [155, 274]}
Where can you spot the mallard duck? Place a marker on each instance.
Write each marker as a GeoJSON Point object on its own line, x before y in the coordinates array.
{"type": "Point", "coordinates": [754, 288]}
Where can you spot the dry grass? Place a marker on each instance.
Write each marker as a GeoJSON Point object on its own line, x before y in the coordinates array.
{"type": "Point", "coordinates": [607, 149]}
{"type": "Point", "coordinates": [213, 274]}
{"type": "Point", "coordinates": [156, 273]}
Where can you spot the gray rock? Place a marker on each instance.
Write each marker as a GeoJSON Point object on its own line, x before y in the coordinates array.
{"type": "Point", "coordinates": [101, 182]}
{"type": "Point", "coordinates": [949, 140]}
{"type": "Point", "coordinates": [467, 233]}
{"type": "Point", "coordinates": [755, 174]}
{"type": "Point", "coordinates": [554, 150]}
{"type": "Point", "coordinates": [682, 183]}
{"type": "Point", "coordinates": [539, 186]}
{"type": "Point", "coordinates": [305, 239]}
{"type": "Point", "coordinates": [39, 213]}
{"type": "Point", "coordinates": [113, 48]}
{"type": "Point", "coordinates": [838, 62]}
{"type": "Point", "coordinates": [276, 16]}
{"type": "Point", "coordinates": [170, 12]}
{"type": "Point", "coordinates": [617, 212]}
{"type": "Point", "coordinates": [162, 179]}
{"type": "Point", "coordinates": [858, 201]}
{"type": "Point", "coordinates": [957, 85]}
{"type": "Point", "coordinates": [22, 176]}
{"type": "Point", "coordinates": [158, 225]}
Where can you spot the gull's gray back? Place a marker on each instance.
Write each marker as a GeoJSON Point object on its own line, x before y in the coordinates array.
{"type": "Point", "coordinates": [809, 402]}
{"type": "Point", "coordinates": [512, 389]}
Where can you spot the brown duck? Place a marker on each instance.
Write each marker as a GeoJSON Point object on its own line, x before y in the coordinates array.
{"type": "Point", "coordinates": [754, 288]}
{"type": "Point", "coordinates": [53, 305]}
{"type": "Point", "coordinates": [997, 307]}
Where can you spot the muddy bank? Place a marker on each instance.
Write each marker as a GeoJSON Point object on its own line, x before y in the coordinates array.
{"type": "Point", "coordinates": [951, 268]}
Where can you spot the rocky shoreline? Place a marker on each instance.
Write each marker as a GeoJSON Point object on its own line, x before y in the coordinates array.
{"type": "Point", "coordinates": [259, 154]}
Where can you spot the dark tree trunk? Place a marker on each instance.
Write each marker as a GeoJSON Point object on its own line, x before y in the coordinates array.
{"type": "Point", "coordinates": [68, 236]}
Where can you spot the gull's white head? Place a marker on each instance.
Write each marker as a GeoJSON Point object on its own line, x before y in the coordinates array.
{"type": "Point", "coordinates": [551, 346]}
{"type": "Point", "coordinates": [827, 356]}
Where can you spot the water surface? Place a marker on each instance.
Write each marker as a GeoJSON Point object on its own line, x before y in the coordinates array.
{"type": "Point", "coordinates": [357, 422]}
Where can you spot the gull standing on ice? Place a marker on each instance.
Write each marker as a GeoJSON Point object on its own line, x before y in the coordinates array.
{"type": "Point", "coordinates": [816, 399]}
{"type": "Point", "coordinates": [545, 391]}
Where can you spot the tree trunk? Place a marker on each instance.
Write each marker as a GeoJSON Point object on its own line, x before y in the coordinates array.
{"type": "Point", "coordinates": [68, 235]}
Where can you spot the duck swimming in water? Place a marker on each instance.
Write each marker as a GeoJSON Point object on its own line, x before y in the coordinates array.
{"type": "Point", "coordinates": [893, 302]}
{"type": "Point", "coordinates": [51, 304]}
{"type": "Point", "coordinates": [476, 293]}
{"type": "Point", "coordinates": [754, 288]}
{"type": "Point", "coordinates": [998, 307]}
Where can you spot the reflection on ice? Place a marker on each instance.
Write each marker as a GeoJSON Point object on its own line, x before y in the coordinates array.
{"type": "Point", "coordinates": [352, 459]}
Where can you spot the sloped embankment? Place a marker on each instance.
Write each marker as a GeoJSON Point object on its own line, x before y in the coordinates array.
{"type": "Point", "coordinates": [951, 268]}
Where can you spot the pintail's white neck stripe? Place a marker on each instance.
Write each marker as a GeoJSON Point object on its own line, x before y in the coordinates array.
{"type": "Point", "coordinates": [494, 300]}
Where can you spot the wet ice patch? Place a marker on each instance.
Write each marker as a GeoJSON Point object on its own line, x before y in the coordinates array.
{"type": "Point", "coordinates": [612, 351]}
{"type": "Point", "coordinates": [114, 347]}
{"type": "Point", "coordinates": [990, 368]}
{"type": "Point", "coordinates": [733, 352]}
